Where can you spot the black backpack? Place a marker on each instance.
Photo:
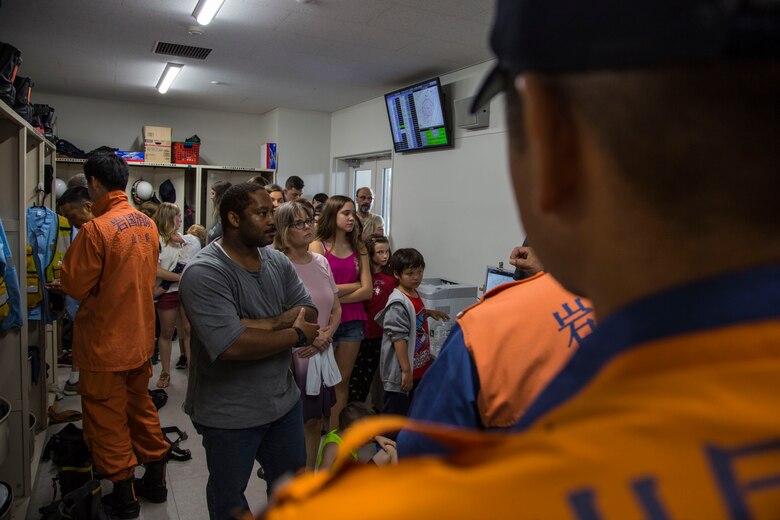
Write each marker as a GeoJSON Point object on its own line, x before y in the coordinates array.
{"type": "Point", "coordinates": [68, 451]}
{"type": "Point", "coordinates": [159, 397]}
{"type": "Point", "coordinates": [83, 503]}
{"type": "Point", "coordinates": [10, 59]}
{"type": "Point", "coordinates": [67, 447]}
{"type": "Point", "coordinates": [22, 104]}
{"type": "Point", "coordinates": [45, 116]}
{"type": "Point", "coordinates": [68, 149]}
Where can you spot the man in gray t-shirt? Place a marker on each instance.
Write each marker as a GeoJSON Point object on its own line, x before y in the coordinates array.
{"type": "Point", "coordinates": [248, 308]}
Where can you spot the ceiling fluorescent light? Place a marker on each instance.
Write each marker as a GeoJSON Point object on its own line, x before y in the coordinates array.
{"type": "Point", "coordinates": [206, 10]}
{"type": "Point", "coordinates": [169, 74]}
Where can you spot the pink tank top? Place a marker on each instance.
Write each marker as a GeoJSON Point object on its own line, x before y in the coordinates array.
{"type": "Point", "coordinates": [346, 270]}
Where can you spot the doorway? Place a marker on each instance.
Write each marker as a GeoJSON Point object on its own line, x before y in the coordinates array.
{"type": "Point", "coordinates": [375, 173]}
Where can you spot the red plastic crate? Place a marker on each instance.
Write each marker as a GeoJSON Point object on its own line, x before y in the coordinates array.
{"type": "Point", "coordinates": [186, 153]}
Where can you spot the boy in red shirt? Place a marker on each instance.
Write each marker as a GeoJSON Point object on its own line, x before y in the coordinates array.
{"type": "Point", "coordinates": [406, 345]}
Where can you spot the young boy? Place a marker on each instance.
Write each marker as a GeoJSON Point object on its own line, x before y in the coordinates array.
{"type": "Point", "coordinates": [385, 453]}
{"type": "Point", "coordinates": [406, 345]}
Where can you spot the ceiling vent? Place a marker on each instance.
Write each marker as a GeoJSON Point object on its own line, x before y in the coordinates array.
{"type": "Point", "coordinates": [181, 51]}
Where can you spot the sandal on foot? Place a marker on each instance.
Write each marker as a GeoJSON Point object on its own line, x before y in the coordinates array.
{"type": "Point", "coordinates": [164, 381]}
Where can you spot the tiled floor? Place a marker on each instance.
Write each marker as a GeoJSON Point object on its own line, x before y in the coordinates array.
{"type": "Point", "coordinates": [186, 480]}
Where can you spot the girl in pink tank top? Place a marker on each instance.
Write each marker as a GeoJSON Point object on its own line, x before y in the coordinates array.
{"type": "Point", "coordinates": [338, 240]}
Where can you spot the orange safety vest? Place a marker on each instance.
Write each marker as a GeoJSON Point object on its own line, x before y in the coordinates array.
{"type": "Point", "coordinates": [519, 336]}
{"type": "Point", "coordinates": [35, 286]}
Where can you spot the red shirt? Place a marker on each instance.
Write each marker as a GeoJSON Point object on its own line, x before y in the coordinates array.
{"type": "Point", "coordinates": [422, 346]}
{"type": "Point", "coordinates": [383, 286]}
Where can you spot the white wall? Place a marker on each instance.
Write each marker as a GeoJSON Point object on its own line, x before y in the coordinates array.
{"type": "Point", "coordinates": [228, 139]}
{"type": "Point", "coordinates": [303, 147]}
{"type": "Point", "coordinates": [455, 205]}
{"type": "Point", "coordinates": [360, 129]}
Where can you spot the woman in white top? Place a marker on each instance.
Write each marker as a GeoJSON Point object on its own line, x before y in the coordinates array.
{"type": "Point", "coordinates": [168, 220]}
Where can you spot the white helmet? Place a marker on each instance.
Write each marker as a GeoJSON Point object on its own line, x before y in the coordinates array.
{"type": "Point", "coordinates": [59, 187]}
{"type": "Point", "coordinates": [142, 191]}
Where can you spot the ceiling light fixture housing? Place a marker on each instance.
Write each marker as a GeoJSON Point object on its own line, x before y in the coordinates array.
{"type": "Point", "coordinates": [168, 76]}
{"type": "Point", "coordinates": [206, 10]}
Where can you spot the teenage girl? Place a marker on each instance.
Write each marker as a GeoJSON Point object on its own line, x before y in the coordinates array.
{"type": "Point", "coordinates": [383, 283]}
{"type": "Point", "coordinates": [338, 240]}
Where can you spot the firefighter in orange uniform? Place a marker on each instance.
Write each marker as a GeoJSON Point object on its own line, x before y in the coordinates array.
{"type": "Point", "coordinates": [111, 267]}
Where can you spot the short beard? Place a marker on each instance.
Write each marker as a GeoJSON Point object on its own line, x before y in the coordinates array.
{"type": "Point", "coordinates": [251, 241]}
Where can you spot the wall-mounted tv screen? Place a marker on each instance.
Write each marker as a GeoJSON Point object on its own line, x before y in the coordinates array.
{"type": "Point", "coordinates": [417, 117]}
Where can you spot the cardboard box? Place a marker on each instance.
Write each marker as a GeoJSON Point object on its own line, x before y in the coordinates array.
{"type": "Point", "coordinates": [130, 156]}
{"type": "Point", "coordinates": [157, 154]}
{"type": "Point", "coordinates": [157, 136]}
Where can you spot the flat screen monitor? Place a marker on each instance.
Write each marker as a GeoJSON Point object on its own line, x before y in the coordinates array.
{"type": "Point", "coordinates": [496, 276]}
{"type": "Point", "coordinates": [418, 120]}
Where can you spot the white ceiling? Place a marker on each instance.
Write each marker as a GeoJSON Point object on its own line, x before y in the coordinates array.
{"type": "Point", "coordinates": [320, 55]}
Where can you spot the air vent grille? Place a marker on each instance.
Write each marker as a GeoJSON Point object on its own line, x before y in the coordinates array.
{"type": "Point", "coordinates": [181, 51]}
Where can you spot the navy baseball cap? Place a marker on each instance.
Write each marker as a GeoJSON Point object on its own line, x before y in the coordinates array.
{"type": "Point", "coordinates": [569, 36]}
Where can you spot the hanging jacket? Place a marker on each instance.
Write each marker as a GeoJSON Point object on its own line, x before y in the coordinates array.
{"type": "Point", "coordinates": [10, 296]}
{"type": "Point", "coordinates": [49, 236]}
{"type": "Point", "coordinates": [111, 267]}
{"type": "Point", "coordinates": [41, 243]}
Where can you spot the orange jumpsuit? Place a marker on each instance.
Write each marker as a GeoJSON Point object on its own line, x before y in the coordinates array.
{"type": "Point", "coordinates": [111, 267]}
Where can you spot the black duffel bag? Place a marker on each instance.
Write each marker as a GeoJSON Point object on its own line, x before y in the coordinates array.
{"type": "Point", "coordinates": [10, 59]}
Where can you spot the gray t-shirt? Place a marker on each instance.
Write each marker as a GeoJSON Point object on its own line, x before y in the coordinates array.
{"type": "Point", "coordinates": [217, 293]}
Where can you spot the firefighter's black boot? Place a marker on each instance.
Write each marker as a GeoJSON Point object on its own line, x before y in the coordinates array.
{"type": "Point", "coordinates": [122, 502]}
{"type": "Point", "coordinates": [152, 485]}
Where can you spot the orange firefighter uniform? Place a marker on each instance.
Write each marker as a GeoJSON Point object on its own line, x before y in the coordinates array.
{"type": "Point", "coordinates": [111, 267]}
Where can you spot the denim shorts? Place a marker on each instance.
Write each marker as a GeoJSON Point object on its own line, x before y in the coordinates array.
{"type": "Point", "coordinates": [349, 331]}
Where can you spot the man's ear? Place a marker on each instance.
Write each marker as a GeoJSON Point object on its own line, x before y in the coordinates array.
{"type": "Point", "coordinates": [553, 141]}
{"type": "Point", "coordinates": [233, 218]}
